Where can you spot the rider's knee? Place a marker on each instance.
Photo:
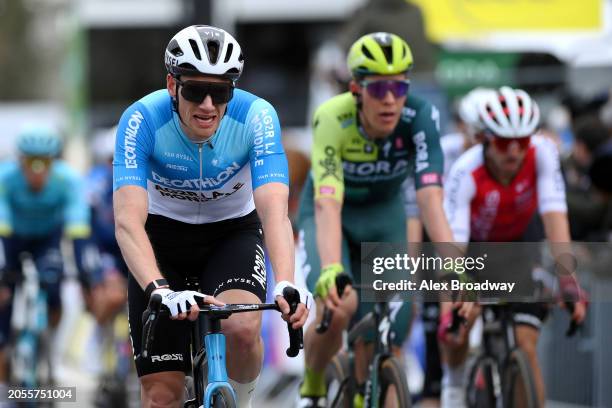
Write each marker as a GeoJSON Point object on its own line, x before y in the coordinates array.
{"type": "Point", "coordinates": [243, 335]}
{"type": "Point", "coordinates": [162, 393]}
{"type": "Point", "coordinates": [529, 347]}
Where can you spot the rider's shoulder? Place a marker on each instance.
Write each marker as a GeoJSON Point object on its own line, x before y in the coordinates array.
{"type": "Point", "coordinates": [338, 106]}
{"type": "Point", "coordinates": [541, 142]}
{"type": "Point", "coordinates": [417, 103]}
{"type": "Point", "coordinates": [244, 103]}
{"type": "Point", "coordinates": [471, 159]}
{"type": "Point", "coordinates": [64, 169]}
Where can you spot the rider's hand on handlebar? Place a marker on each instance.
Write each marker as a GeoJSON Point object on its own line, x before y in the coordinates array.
{"type": "Point", "coordinates": [465, 309]}
{"type": "Point", "coordinates": [298, 318]}
{"type": "Point", "coordinates": [179, 302]}
{"type": "Point", "coordinates": [327, 282]}
{"type": "Point", "coordinates": [571, 292]}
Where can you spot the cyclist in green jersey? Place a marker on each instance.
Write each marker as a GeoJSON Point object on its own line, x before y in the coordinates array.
{"type": "Point", "coordinates": [366, 142]}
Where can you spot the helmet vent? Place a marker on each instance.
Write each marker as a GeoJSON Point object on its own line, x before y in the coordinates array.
{"type": "Point", "coordinates": [195, 49]}
{"type": "Point", "coordinates": [232, 71]}
{"type": "Point", "coordinates": [366, 52]}
{"type": "Point", "coordinates": [213, 51]}
{"type": "Point", "coordinates": [228, 53]}
{"type": "Point", "coordinates": [240, 58]}
{"type": "Point", "coordinates": [175, 49]}
{"type": "Point", "coordinates": [187, 66]}
{"type": "Point", "coordinates": [388, 53]}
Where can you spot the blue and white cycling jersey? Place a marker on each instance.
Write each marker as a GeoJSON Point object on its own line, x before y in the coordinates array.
{"type": "Point", "coordinates": [199, 182]}
{"type": "Point", "coordinates": [30, 214]}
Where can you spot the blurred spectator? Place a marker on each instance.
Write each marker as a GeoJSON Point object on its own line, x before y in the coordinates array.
{"type": "Point", "coordinates": [587, 210]}
{"type": "Point", "coordinates": [601, 169]}
{"type": "Point", "coordinates": [396, 16]}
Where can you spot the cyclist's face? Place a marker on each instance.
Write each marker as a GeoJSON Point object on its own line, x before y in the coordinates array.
{"type": "Point", "coordinates": [382, 98]}
{"type": "Point", "coordinates": [508, 154]}
{"type": "Point", "coordinates": [199, 120]}
{"type": "Point", "coordinates": [36, 171]}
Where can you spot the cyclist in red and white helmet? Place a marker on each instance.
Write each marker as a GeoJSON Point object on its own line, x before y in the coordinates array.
{"type": "Point", "coordinates": [491, 195]}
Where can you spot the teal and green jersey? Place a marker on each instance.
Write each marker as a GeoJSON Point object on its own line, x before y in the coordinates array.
{"type": "Point", "coordinates": [352, 169]}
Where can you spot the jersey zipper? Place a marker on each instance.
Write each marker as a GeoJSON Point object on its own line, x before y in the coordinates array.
{"type": "Point", "coordinates": [200, 152]}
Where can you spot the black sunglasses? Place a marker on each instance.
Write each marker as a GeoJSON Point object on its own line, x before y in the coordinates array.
{"type": "Point", "coordinates": [196, 91]}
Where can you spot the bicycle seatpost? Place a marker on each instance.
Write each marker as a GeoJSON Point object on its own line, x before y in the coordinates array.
{"type": "Point", "coordinates": [342, 280]}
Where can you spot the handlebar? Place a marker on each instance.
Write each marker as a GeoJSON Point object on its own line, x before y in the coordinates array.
{"type": "Point", "coordinates": [457, 321]}
{"type": "Point", "coordinates": [573, 327]}
{"type": "Point", "coordinates": [155, 309]}
{"type": "Point", "coordinates": [342, 280]}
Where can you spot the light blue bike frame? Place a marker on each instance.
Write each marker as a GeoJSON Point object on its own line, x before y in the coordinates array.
{"type": "Point", "coordinates": [217, 373]}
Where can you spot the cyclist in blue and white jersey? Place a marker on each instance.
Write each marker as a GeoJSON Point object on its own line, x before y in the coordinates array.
{"type": "Point", "coordinates": [199, 175]}
{"type": "Point", "coordinates": [41, 200]}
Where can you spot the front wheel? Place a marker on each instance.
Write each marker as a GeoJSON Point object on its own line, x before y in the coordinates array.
{"type": "Point", "coordinates": [483, 384]}
{"type": "Point", "coordinates": [519, 384]}
{"type": "Point", "coordinates": [339, 381]}
{"type": "Point", "coordinates": [222, 398]}
{"type": "Point", "coordinates": [393, 385]}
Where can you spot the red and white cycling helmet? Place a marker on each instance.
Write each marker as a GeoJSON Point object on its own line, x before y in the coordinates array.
{"type": "Point", "coordinates": [202, 49]}
{"type": "Point", "coordinates": [509, 113]}
{"type": "Point", "coordinates": [468, 108]}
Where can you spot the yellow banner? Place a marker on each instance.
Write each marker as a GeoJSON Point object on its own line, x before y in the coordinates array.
{"type": "Point", "coordinates": [452, 19]}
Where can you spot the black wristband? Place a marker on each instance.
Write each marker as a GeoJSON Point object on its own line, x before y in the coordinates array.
{"type": "Point", "coordinates": [157, 283]}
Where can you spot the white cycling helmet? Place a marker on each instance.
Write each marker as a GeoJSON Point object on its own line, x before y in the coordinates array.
{"type": "Point", "coordinates": [468, 106]}
{"type": "Point", "coordinates": [201, 49]}
{"type": "Point", "coordinates": [509, 113]}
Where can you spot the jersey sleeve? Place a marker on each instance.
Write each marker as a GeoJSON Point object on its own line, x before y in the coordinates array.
{"type": "Point", "coordinates": [267, 156]}
{"type": "Point", "coordinates": [326, 158]}
{"type": "Point", "coordinates": [459, 190]}
{"type": "Point", "coordinates": [76, 213]}
{"type": "Point", "coordinates": [551, 188]}
{"type": "Point", "coordinates": [133, 146]}
{"type": "Point", "coordinates": [429, 159]}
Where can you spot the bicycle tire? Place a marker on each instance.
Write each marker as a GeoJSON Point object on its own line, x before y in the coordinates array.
{"type": "Point", "coordinates": [223, 398]}
{"type": "Point", "coordinates": [517, 368]}
{"type": "Point", "coordinates": [45, 375]}
{"type": "Point", "coordinates": [338, 374]}
{"type": "Point", "coordinates": [392, 373]}
{"type": "Point", "coordinates": [480, 389]}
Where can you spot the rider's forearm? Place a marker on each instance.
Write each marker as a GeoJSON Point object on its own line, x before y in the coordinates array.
{"type": "Point", "coordinates": [279, 244]}
{"type": "Point", "coordinates": [328, 219]}
{"type": "Point", "coordinates": [136, 249]}
{"type": "Point", "coordinates": [556, 229]}
{"type": "Point", "coordinates": [430, 201]}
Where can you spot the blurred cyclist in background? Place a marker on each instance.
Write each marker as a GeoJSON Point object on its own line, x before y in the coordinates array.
{"type": "Point", "coordinates": [41, 201]}
{"type": "Point", "coordinates": [469, 132]}
{"type": "Point", "coordinates": [364, 146]}
{"type": "Point", "coordinates": [491, 195]}
{"type": "Point", "coordinates": [109, 279]}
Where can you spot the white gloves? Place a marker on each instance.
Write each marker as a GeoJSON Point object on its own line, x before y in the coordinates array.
{"type": "Point", "coordinates": [175, 300]}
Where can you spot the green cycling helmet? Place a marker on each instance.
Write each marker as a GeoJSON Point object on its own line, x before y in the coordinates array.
{"type": "Point", "coordinates": [379, 54]}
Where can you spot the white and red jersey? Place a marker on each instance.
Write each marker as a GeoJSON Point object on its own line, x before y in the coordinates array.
{"type": "Point", "coordinates": [479, 208]}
